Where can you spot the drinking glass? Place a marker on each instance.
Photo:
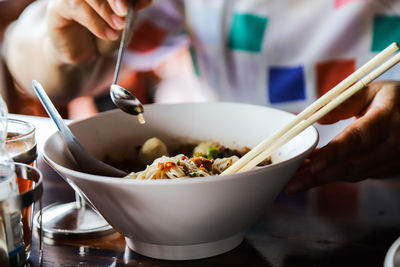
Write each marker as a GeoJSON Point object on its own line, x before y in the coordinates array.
{"type": "Point", "coordinates": [69, 220]}
{"type": "Point", "coordinates": [24, 203]}
{"type": "Point", "coordinates": [21, 146]}
{"type": "Point", "coordinates": [21, 142]}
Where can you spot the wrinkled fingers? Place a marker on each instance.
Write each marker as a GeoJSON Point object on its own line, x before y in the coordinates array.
{"type": "Point", "coordinates": [105, 11]}
{"type": "Point", "coordinates": [66, 13]}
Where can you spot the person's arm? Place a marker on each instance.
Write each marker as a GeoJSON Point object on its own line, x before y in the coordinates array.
{"type": "Point", "coordinates": [66, 45]}
{"type": "Point", "coordinates": [368, 148]}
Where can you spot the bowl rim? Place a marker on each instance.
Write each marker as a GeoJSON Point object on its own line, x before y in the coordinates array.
{"type": "Point", "coordinates": [389, 259]}
{"type": "Point", "coordinates": [108, 179]}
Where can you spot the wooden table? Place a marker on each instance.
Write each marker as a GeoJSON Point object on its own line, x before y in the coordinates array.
{"type": "Point", "coordinates": [336, 225]}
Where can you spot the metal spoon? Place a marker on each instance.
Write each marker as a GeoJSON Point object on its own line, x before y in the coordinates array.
{"type": "Point", "coordinates": [121, 97]}
{"type": "Point", "coordinates": [86, 162]}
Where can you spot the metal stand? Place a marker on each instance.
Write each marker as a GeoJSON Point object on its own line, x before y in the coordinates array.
{"type": "Point", "coordinates": [74, 220]}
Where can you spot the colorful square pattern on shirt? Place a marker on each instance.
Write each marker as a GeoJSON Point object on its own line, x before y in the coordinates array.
{"type": "Point", "coordinates": [247, 32]}
{"type": "Point", "coordinates": [147, 37]}
{"type": "Point", "coordinates": [339, 3]}
{"type": "Point", "coordinates": [286, 84]}
{"type": "Point", "coordinates": [193, 55]}
{"type": "Point", "coordinates": [386, 31]}
{"type": "Point", "coordinates": [330, 73]}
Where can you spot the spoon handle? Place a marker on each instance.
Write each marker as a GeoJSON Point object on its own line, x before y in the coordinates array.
{"type": "Point", "coordinates": [124, 39]}
{"type": "Point", "coordinates": [83, 159]}
{"type": "Point", "coordinates": [53, 113]}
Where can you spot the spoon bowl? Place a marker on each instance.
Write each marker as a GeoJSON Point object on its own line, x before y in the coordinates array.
{"type": "Point", "coordinates": [125, 101]}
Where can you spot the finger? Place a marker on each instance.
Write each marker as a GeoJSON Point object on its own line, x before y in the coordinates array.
{"type": "Point", "coordinates": [386, 170]}
{"type": "Point", "coordinates": [62, 13]}
{"type": "Point", "coordinates": [305, 180]}
{"type": "Point", "coordinates": [384, 155]}
{"type": "Point", "coordinates": [303, 170]}
{"type": "Point", "coordinates": [140, 4]}
{"type": "Point", "coordinates": [353, 106]}
{"type": "Point", "coordinates": [107, 14]}
{"type": "Point", "coordinates": [378, 163]}
{"type": "Point", "coordinates": [299, 181]}
{"type": "Point", "coordinates": [120, 7]}
{"type": "Point", "coordinates": [361, 135]}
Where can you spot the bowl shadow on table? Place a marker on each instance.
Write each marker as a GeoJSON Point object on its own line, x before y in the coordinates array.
{"type": "Point", "coordinates": [243, 255]}
{"type": "Point", "coordinates": [112, 251]}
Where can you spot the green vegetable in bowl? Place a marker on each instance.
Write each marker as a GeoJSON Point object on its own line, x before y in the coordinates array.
{"type": "Point", "coordinates": [212, 153]}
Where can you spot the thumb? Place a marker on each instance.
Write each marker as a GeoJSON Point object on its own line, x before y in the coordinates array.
{"type": "Point", "coordinates": [354, 106]}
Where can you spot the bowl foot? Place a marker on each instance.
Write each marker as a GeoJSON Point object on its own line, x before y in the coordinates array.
{"type": "Point", "coordinates": [185, 252]}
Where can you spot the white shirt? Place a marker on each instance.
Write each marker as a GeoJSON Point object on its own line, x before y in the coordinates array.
{"type": "Point", "coordinates": [282, 53]}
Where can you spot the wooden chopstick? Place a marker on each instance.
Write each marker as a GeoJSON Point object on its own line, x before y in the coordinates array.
{"type": "Point", "coordinates": [270, 144]}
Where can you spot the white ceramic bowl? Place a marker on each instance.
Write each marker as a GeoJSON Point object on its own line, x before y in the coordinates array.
{"type": "Point", "coordinates": [183, 218]}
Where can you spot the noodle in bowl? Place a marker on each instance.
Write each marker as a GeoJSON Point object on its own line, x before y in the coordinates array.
{"type": "Point", "coordinates": [182, 219]}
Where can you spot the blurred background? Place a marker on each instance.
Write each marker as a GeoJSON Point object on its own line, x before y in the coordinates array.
{"type": "Point", "coordinates": [173, 81]}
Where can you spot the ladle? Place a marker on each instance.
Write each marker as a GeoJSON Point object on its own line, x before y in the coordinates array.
{"type": "Point", "coordinates": [121, 97]}
{"type": "Point", "coordinates": [86, 162]}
